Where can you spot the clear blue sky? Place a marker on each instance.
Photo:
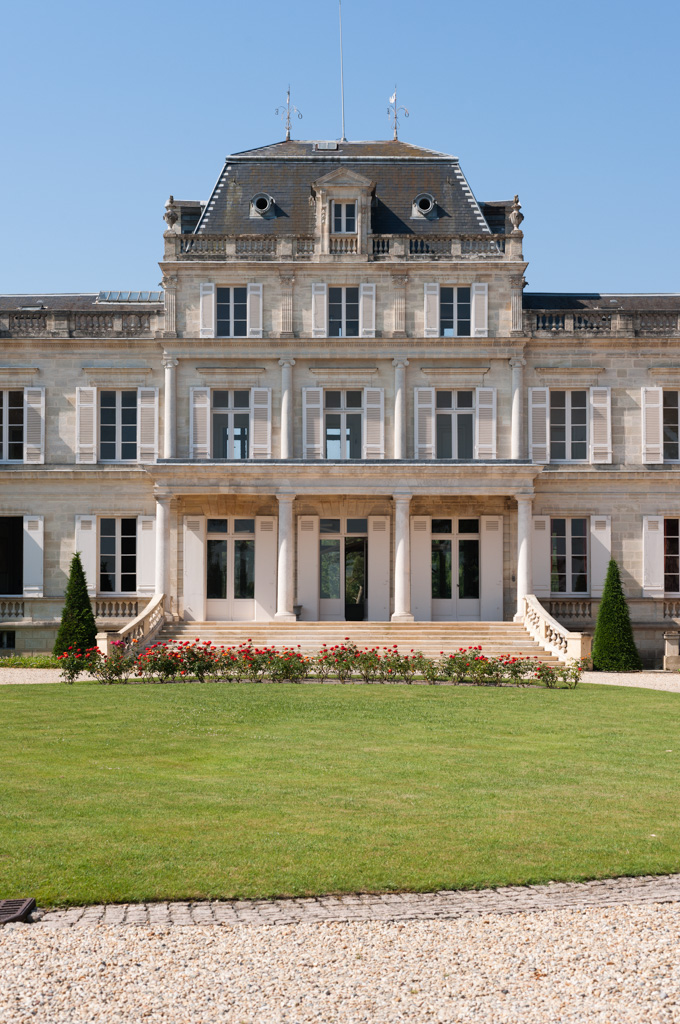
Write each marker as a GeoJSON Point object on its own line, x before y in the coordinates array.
{"type": "Point", "coordinates": [108, 108]}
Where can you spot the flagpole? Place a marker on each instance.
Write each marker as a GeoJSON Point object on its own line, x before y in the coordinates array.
{"type": "Point", "coordinates": [342, 77]}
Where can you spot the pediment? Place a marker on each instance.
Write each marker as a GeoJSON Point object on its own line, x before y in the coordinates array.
{"type": "Point", "coordinates": [343, 177]}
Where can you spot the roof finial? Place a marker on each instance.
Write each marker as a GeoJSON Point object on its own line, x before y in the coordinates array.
{"type": "Point", "coordinates": [285, 114]}
{"type": "Point", "coordinates": [393, 112]}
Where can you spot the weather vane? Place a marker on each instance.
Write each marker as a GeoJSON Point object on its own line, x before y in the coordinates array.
{"type": "Point", "coordinates": [393, 112]}
{"type": "Point", "coordinates": [285, 114]}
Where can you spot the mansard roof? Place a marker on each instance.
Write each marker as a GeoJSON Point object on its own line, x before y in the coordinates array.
{"type": "Point", "coordinates": [79, 301]}
{"type": "Point", "coordinates": [637, 301]}
{"type": "Point", "coordinates": [287, 170]}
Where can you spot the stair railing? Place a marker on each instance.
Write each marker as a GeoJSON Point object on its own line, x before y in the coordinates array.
{"type": "Point", "coordinates": [551, 635]}
{"type": "Point", "coordinates": [141, 630]}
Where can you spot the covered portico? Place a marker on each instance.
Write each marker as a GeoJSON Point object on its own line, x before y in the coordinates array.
{"type": "Point", "coordinates": [299, 530]}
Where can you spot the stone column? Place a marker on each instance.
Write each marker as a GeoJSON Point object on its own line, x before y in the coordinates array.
{"type": "Point", "coordinates": [169, 413]}
{"type": "Point", "coordinates": [162, 538]}
{"type": "Point", "coordinates": [516, 448]}
{"type": "Point", "coordinates": [286, 363]}
{"type": "Point", "coordinates": [400, 407]}
{"type": "Point", "coordinates": [287, 305]}
{"type": "Point", "coordinates": [523, 553]}
{"type": "Point", "coordinates": [284, 586]}
{"type": "Point", "coordinates": [402, 559]}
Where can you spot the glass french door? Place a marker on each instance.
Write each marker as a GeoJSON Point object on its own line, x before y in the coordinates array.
{"type": "Point", "coordinates": [230, 570]}
{"type": "Point", "coordinates": [343, 570]}
{"type": "Point", "coordinates": [455, 570]}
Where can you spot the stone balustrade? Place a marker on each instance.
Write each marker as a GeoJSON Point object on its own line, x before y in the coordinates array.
{"type": "Point", "coordinates": [11, 610]}
{"type": "Point", "coordinates": [118, 608]}
{"type": "Point", "coordinates": [78, 324]}
{"type": "Point", "coordinates": [571, 608]}
{"type": "Point", "coordinates": [140, 631]}
{"type": "Point", "coordinates": [551, 635]}
{"type": "Point", "coordinates": [594, 322]}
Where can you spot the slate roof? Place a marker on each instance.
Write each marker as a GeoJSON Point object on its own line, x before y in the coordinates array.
{"type": "Point", "coordinates": [601, 300]}
{"type": "Point", "coordinates": [286, 170]}
{"type": "Point", "coordinates": [78, 301]}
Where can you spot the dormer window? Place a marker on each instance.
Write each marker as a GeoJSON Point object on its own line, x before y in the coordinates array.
{"type": "Point", "coordinates": [344, 218]}
{"type": "Point", "coordinates": [262, 205]}
{"type": "Point", "coordinates": [425, 205]}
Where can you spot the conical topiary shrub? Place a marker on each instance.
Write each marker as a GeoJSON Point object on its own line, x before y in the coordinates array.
{"type": "Point", "coordinates": [614, 648]}
{"type": "Point", "coordinates": [77, 627]}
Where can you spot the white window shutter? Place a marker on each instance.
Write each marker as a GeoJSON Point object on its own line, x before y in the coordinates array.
{"type": "Point", "coordinates": [491, 574]}
{"type": "Point", "coordinates": [600, 425]}
{"type": "Point", "coordinates": [423, 420]}
{"type": "Point", "coordinates": [431, 315]}
{"type": "Point", "coordinates": [207, 311]}
{"type": "Point", "coordinates": [538, 425]}
{"type": "Point", "coordinates": [34, 534]}
{"type": "Point", "coordinates": [199, 424]}
{"type": "Point", "coordinates": [254, 310]}
{"type": "Point", "coordinates": [421, 568]}
{"type": "Point", "coordinates": [367, 311]}
{"type": "Point", "coordinates": [540, 555]}
{"type": "Point", "coordinates": [86, 425]}
{"type": "Point", "coordinates": [261, 406]}
{"type": "Point", "coordinates": [266, 558]}
{"type": "Point", "coordinates": [479, 295]}
{"type": "Point", "coordinates": [378, 568]}
{"type": "Point", "coordinates": [193, 575]}
{"type": "Point", "coordinates": [485, 424]}
{"type": "Point", "coordinates": [374, 423]}
{"type": "Point", "coordinates": [34, 426]}
{"type": "Point", "coordinates": [600, 552]}
{"type": "Point", "coordinates": [308, 568]}
{"type": "Point", "coordinates": [146, 555]}
{"type": "Point", "coordinates": [86, 544]}
{"type": "Point", "coordinates": [652, 556]}
{"type": "Point", "coordinates": [319, 310]}
{"type": "Point", "coordinates": [312, 423]}
{"type": "Point", "coordinates": [147, 424]}
{"type": "Point", "coordinates": [652, 425]}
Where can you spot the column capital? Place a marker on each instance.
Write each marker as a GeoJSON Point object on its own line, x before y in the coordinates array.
{"type": "Point", "coordinates": [286, 361]}
{"type": "Point", "coordinates": [169, 361]}
{"type": "Point", "coordinates": [400, 362]}
{"type": "Point", "coordinates": [286, 497]}
{"type": "Point", "coordinates": [517, 361]}
{"type": "Point", "coordinates": [406, 498]}
{"type": "Point", "coordinates": [524, 498]}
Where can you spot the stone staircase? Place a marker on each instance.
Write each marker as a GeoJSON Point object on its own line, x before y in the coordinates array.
{"type": "Point", "coordinates": [430, 638]}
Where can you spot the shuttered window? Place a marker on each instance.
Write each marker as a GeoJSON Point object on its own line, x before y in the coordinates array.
{"type": "Point", "coordinates": [118, 426]}
{"type": "Point", "coordinates": [118, 555]}
{"type": "Point", "coordinates": [343, 312]}
{"type": "Point", "coordinates": [671, 556]}
{"type": "Point", "coordinates": [671, 451]}
{"type": "Point", "coordinates": [12, 426]}
{"type": "Point", "coordinates": [569, 555]}
{"type": "Point", "coordinates": [230, 423]}
{"type": "Point", "coordinates": [455, 424]}
{"type": "Point", "coordinates": [454, 312]}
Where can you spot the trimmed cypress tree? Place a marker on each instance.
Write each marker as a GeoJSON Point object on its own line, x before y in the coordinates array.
{"type": "Point", "coordinates": [77, 627]}
{"type": "Point", "coordinates": [614, 648]}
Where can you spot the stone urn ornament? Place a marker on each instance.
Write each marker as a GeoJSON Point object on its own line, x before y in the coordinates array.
{"type": "Point", "coordinates": [516, 215]}
{"type": "Point", "coordinates": [171, 215]}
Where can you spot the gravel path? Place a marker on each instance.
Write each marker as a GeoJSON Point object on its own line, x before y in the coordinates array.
{"type": "Point", "coordinates": [597, 965]}
{"type": "Point", "coordinates": [649, 680]}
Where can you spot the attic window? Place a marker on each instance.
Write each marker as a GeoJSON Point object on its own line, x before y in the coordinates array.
{"type": "Point", "coordinates": [261, 205]}
{"type": "Point", "coordinates": [326, 145]}
{"type": "Point", "coordinates": [424, 205]}
{"type": "Point", "coordinates": [32, 309]}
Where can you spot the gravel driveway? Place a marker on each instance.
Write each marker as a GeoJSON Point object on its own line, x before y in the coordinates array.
{"type": "Point", "coordinates": [609, 965]}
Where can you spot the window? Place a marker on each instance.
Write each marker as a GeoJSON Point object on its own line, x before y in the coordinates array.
{"type": "Point", "coordinates": [454, 312]}
{"type": "Point", "coordinates": [118, 556]}
{"type": "Point", "coordinates": [568, 426]}
{"type": "Point", "coordinates": [343, 312]}
{"type": "Point", "coordinates": [455, 416]}
{"type": "Point", "coordinates": [344, 218]}
{"type": "Point", "coordinates": [231, 424]}
{"type": "Point", "coordinates": [343, 412]}
{"type": "Point", "coordinates": [671, 452]}
{"type": "Point", "coordinates": [118, 426]}
{"type": "Point", "coordinates": [569, 556]}
{"type": "Point", "coordinates": [238, 544]}
{"type": "Point", "coordinates": [11, 555]}
{"type": "Point", "coordinates": [8, 639]}
{"type": "Point", "coordinates": [671, 556]}
{"type": "Point", "coordinates": [232, 312]}
{"type": "Point", "coordinates": [12, 426]}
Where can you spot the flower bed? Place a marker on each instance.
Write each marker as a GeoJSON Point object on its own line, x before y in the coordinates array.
{"type": "Point", "coordinates": [178, 661]}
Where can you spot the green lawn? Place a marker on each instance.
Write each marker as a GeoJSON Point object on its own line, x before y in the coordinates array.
{"type": "Point", "coordinates": [155, 792]}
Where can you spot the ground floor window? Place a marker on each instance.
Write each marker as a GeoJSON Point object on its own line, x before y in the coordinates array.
{"type": "Point", "coordinates": [569, 555]}
{"type": "Point", "coordinates": [8, 639]}
{"type": "Point", "coordinates": [671, 553]}
{"type": "Point", "coordinates": [11, 555]}
{"type": "Point", "coordinates": [118, 556]}
{"type": "Point", "coordinates": [455, 558]}
{"type": "Point", "coordinates": [343, 564]}
{"type": "Point", "coordinates": [231, 542]}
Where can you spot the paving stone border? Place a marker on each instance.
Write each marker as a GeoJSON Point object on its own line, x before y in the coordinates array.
{"type": "Point", "coordinates": [387, 907]}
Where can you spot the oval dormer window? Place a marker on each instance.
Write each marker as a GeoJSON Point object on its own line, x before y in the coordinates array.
{"type": "Point", "coordinates": [424, 204]}
{"type": "Point", "coordinates": [262, 204]}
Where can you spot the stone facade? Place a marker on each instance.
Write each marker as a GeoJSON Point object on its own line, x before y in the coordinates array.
{"type": "Point", "coordinates": [402, 400]}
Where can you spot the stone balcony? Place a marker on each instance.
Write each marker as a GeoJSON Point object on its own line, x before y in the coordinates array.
{"type": "Point", "coordinates": [593, 323]}
{"type": "Point", "coordinates": [388, 248]}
